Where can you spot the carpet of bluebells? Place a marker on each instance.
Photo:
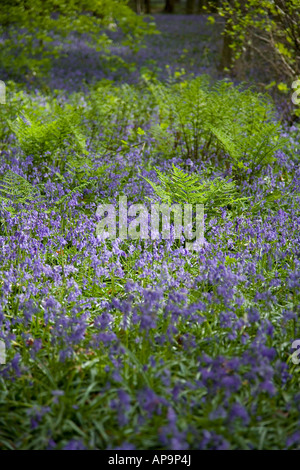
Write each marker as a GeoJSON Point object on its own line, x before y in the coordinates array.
{"type": "Point", "coordinates": [142, 344]}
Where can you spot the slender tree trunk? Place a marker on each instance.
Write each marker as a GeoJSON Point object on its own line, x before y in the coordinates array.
{"type": "Point", "coordinates": [190, 4]}
{"type": "Point", "coordinates": [147, 6]}
{"type": "Point", "coordinates": [227, 51]}
{"type": "Point", "coordinates": [138, 6]}
{"type": "Point", "coordinates": [143, 6]}
{"type": "Point", "coordinates": [226, 57]}
{"type": "Point", "coordinates": [169, 6]}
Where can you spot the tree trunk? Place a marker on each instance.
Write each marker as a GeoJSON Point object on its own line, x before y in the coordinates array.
{"type": "Point", "coordinates": [190, 7]}
{"type": "Point", "coordinates": [227, 51]}
{"type": "Point", "coordinates": [138, 6]}
{"type": "Point", "coordinates": [147, 6]}
{"type": "Point", "coordinates": [143, 6]}
{"type": "Point", "coordinates": [226, 57]}
{"type": "Point", "coordinates": [169, 6]}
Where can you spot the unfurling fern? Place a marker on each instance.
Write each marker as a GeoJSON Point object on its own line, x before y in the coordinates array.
{"type": "Point", "coordinates": [180, 187]}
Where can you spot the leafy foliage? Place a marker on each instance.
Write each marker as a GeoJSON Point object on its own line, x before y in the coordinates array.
{"type": "Point", "coordinates": [255, 24]}
{"type": "Point", "coordinates": [17, 189]}
{"type": "Point", "coordinates": [220, 120]}
{"type": "Point", "coordinates": [31, 28]}
{"type": "Point", "coordinates": [143, 344]}
{"type": "Point", "coordinates": [16, 192]}
{"type": "Point", "coordinates": [180, 187]}
{"type": "Point", "coordinates": [36, 138]}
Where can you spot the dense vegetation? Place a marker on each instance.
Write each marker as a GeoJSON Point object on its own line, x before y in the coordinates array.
{"type": "Point", "coordinates": [144, 344]}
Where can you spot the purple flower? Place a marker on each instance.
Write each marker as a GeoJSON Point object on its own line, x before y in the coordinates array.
{"type": "Point", "coordinates": [239, 412]}
{"type": "Point", "coordinates": [74, 444]}
{"type": "Point", "coordinates": [293, 439]}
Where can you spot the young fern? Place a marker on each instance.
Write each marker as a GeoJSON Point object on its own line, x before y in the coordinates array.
{"type": "Point", "coordinates": [182, 188]}
{"type": "Point", "coordinates": [37, 138]}
{"type": "Point", "coordinates": [226, 142]}
{"type": "Point", "coordinates": [14, 189]}
{"type": "Point", "coordinates": [235, 125]}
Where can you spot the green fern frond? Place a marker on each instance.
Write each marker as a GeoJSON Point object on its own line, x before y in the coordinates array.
{"type": "Point", "coordinates": [17, 189]}
{"type": "Point", "coordinates": [14, 189]}
{"type": "Point", "coordinates": [180, 187]}
{"type": "Point", "coordinates": [226, 141]}
{"type": "Point", "coordinates": [36, 138]}
{"type": "Point", "coordinates": [73, 191]}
